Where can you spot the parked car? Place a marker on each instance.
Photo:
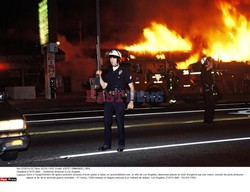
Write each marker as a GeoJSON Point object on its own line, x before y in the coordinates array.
{"type": "Point", "coordinates": [13, 135]}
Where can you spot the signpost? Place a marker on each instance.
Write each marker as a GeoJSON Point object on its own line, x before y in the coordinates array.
{"type": "Point", "coordinates": [48, 38]}
{"type": "Point", "coordinates": [50, 70]}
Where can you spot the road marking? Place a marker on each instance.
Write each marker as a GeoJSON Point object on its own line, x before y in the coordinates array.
{"type": "Point", "coordinates": [132, 149]}
{"type": "Point", "coordinates": [242, 112]}
{"type": "Point", "coordinates": [132, 126]}
{"type": "Point", "coordinates": [233, 104]}
{"type": "Point", "coordinates": [81, 111]}
{"type": "Point", "coordinates": [128, 115]}
{"type": "Point", "coordinates": [155, 147]}
{"type": "Point", "coordinates": [63, 119]}
{"type": "Point", "coordinates": [60, 113]}
{"type": "Point", "coordinates": [101, 110]}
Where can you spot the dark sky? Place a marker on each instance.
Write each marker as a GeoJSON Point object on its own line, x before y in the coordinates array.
{"type": "Point", "coordinates": [115, 17]}
{"type": "Point", "coordinates": [18, 20]}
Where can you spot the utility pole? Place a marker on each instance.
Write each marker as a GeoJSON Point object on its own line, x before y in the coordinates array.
{"type": "Point", "coordinates": [98, 54]}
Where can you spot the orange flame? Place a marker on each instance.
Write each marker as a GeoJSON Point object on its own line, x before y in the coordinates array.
{"type": "Point", "coordinates": [158, 38]}
{"type": "Point", "coordinates": [233, 42]}
{"type": "Point", "coordinates": [192, 59]}
{"type": "Point", "coordinates": [228, 42]}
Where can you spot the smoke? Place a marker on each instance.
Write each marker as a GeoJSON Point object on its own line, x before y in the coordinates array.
{"type": "Point", "coordinates": [77, 65]}
{"type": "Point", "coordinates": [118, 20]}
{"type": "Point", "coordinates": [123, 22]}
{"type": "Point", "coordinates": [182, 16]}
{"type": "Point", "coordinates": [243, 6]}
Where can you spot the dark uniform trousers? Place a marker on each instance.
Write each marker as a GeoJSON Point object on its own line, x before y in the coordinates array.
{"type": "Point", "coordinates": [109, 107]}
{"type": "Point", "coordinates": [209, 106]}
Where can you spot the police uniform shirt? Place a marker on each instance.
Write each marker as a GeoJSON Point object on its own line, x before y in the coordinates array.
{"type": "Point", "coordinates": [117, 79]}
{"type": "Point", "coordinates": [207, 78]}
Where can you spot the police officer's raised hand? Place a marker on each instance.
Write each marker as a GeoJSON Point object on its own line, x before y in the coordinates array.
{"type": "Point", "coordinates": [99, 72]}
{"type": "Point", "coordinates": [130, 105]}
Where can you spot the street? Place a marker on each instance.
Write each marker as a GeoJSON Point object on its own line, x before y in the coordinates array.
{"type": "Point", "coordinates": [160, 136]}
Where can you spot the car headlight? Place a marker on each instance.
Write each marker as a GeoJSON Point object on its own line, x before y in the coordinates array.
{"type": "Point", "coordinates": [11, 125]}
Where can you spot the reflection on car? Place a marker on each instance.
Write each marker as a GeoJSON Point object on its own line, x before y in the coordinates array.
{"type": "Point", "coordinates": [13, 135]}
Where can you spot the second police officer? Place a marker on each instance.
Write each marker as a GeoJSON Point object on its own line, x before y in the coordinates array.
{"type": "Point", "coordinates": [114, 82]}
{"type": "Point", "coordinates": [208, 82]}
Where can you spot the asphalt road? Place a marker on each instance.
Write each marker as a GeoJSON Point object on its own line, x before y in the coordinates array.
{"type": "Point", "coordinates": [168, 136]}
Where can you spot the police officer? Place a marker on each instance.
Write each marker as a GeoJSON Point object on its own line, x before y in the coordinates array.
{"type": "Point", "coordinates": [114, 82]}
{"type": "Point", "coordinates": [172, 81]}
{"type": "Point", "coordinates": [208, 82]}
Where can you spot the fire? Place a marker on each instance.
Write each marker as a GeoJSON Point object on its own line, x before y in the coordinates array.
{"type": "Point", "coordinates": [160, 56]}
{"type": "Point", "coordinates": [228, 41]}
{"type": "Point", "coordinates": [158, 38]}
{"type": "Point", "coordinates": [233, 41]}
{"type": "Point", "coordinates": [184, 65]}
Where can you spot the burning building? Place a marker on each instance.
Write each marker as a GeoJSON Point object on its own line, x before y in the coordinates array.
{"type": "Point", "coordinates": [220, 29]}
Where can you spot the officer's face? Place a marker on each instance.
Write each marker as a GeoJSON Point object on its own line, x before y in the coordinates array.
{"type": "Point", "coordinates": [209, 65]}
{"type": "Point", "coordinates": [113, 61]}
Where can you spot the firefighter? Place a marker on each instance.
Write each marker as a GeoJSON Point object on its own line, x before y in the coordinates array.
{"type": "Point", "coordinates": [208, 82]}
{"type": "Point", "coordinates": [114, 82]}
{"type": "Point", "coordinates": [172, 81]}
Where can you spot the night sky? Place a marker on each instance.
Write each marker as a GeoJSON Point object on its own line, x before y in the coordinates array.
{"type": "Point", "coordinates": [19, 19]}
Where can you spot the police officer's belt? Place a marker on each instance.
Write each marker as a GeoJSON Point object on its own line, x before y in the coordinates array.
{"type": "Point", "coordinates": [116, 92]}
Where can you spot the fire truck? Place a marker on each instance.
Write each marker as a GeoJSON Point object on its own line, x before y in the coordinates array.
{"type": "Point", "coordinates": [232, 80]}
{"type": "Point", "coordinates": [151, 76]}
{"type": "Point", "coordinates": [154, 83]}
{"type": "Point", "coordinates": [154, 80]}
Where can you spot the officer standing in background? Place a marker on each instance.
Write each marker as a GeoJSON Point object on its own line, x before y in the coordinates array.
{"type": "Point", "coordinates": [172, 81]}
{"type": "Point", "coordinates": [114, 82]}
{"type": "Point", "coordinates": [208, 82]}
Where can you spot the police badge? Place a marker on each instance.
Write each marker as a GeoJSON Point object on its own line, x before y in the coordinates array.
{"type": "Point", "coordinates": [120, 72]}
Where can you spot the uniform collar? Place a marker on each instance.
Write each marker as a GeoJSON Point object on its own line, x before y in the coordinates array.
{"type": "Point", "coordinates": [115, 68]}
